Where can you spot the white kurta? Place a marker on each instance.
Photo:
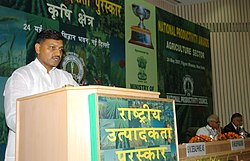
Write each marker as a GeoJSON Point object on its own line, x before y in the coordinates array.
{"type": "Point", "coordinates": [208, 131]}
{"type": "Point", "coordinates": [28, 80]}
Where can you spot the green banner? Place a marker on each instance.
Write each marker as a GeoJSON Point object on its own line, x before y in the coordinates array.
{"type": "Point", "coordinates": [93, 32]}
{"type": "Point", "coordinates": [184, 69]}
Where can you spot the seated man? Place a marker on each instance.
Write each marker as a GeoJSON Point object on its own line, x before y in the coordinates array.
{"type": "Point", "coordinates": [212, 129]}
{"type": "Point", "coordinates": [236, 125]}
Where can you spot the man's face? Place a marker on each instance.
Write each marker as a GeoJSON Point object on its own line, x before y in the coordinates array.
{"type": "Point", "coordinates": [238, 121]}
{"type": "Point", "coordinates": [49, 52]}
{"type": "Point", "coordinates": [215, 124]}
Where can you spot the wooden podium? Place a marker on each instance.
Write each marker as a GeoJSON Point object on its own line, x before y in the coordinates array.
{"type": "Point", "coordinates": [73, 123]}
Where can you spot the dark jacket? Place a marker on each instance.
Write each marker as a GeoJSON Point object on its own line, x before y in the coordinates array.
{"type": "Point", "coordinates": [230, 128]}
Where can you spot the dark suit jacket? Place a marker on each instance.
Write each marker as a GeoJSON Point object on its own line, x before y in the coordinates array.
{"type": "Point", "coordinates": [230, 128]}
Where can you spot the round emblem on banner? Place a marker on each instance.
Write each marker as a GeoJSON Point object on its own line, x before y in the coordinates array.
{"type": "Point", "coordinates": [73, 64]}
{"type": "Point", "coordinates": [188, 85]}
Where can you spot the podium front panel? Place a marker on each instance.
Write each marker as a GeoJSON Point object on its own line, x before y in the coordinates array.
{"type": "Point", "coordinates": [132, 129]}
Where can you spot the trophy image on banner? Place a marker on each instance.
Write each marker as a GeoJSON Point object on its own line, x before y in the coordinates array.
{"type": "Point", "coordinates": [139, 34]}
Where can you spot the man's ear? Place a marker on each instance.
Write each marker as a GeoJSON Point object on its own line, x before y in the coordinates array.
{"type": "Point", "coordinates": [37, 48]}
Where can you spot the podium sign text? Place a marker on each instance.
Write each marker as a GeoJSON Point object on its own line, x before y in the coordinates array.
{"type": "Point", "coordinates": [134, 129]}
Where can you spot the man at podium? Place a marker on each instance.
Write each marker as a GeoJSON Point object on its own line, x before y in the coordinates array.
{"type": "Point", "coordinates": [38, 76]}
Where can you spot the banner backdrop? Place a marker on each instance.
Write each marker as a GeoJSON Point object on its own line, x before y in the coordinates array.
{"type": "Point", "coordinates": [94, 36]}
{"type": "Point", "coordinates": [119, 43]}
{"type": "Point", "coordinates": [141, 46]}
{"type": "Point", "coordinates": [184, 69]}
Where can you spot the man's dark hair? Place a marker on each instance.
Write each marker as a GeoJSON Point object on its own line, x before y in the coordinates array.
{"type": "Point", "coordinates": [235, 115]}
{"type": "Point", "coordinates": [49, 34]}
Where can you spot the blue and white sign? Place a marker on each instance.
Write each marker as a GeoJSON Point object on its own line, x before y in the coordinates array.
{"type": "Point", "coordinates": [195, 149]}
{"type": "Point", "coordinates": [237, 144]}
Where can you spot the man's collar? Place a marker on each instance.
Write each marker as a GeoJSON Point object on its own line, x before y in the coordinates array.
{"type": "Point", "coordinates": [40, 65]}
{"type": "Point", "coordinates": [235, 127]}
{"type": "Point", "coordinates": [209, 127]}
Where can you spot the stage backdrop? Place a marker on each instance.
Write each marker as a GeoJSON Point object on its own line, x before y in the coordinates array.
{"type": "Point", "coordinates": [130, 44]}
{"type": "Point", "coordinates": [184, 69]}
